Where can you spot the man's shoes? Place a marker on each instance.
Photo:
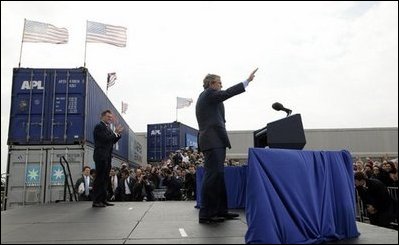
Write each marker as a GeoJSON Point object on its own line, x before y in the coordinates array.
{"type": "Point", "coordinates": [211, 220]}
{"type": "Point", "coordinates": [108, 204]}
{"type": "Point", "coordinates": [98, 205]}
{"type": "Point", "coordinates": [229, 215]}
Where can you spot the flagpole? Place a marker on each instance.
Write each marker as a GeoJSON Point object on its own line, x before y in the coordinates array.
{"type": "Point", "coordinates": [22, 41]}
{"type": "Point", "coordinates": [106, 90]}
{"type": "Point", "coordinates": [176, 109]}
{"type": "Point", "coordinates": [86, 44]}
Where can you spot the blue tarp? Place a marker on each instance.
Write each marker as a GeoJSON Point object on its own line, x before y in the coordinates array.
{"type": "Point", "coordinates": [235, 179]}
{"type": "Point", "coordinates": [299, 196]}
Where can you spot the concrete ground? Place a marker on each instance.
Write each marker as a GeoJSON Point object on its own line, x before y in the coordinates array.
{"type": "Point", "coordinates": [137, 222]}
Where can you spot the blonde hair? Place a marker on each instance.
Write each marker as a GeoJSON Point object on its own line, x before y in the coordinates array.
{"type": "Point", "coordinates": [209, 79]}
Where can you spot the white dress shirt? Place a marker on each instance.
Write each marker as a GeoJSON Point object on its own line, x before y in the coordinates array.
{"type": "Point", "coordinates": [127, 189]}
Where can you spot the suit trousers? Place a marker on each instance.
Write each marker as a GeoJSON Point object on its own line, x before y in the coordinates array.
{"type": "Point", "coordinates": [214, 195]}
{"type": "Point", "coordinates": [101, 182]}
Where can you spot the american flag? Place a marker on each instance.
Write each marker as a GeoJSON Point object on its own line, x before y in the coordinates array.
{"type": "Point", "coordinates": [111, 79]}
{"type": "Point", "coordinates": [38, 32]}
{"type": "Point", "coordinates": [124, 107]}
{"type": "Point", "coordinates": [103, 33]}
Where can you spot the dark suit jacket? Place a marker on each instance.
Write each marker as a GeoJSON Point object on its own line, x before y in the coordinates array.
{"type": "Point", "coordinates": [109, 187]}
{"type": "Point", "coordinates": [104, 140]}
{"type": "Point", "coordinates": [121, 190]}
{"type": "Point", "coordinates": [211, 119]}
{"type": "Point", "coordinates": [375, 194]}
{"type": "Point", "coordinates": [173, 188]}
{"type": "Point", "coordinates": [82, 196]}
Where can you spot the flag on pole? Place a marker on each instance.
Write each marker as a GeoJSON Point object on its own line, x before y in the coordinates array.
{"type": "Point", "coordinates": [38, 32]}
{"type": "Point", "coordinates": [111, 79]}
{"type": "Point", "coordinates": [103, 33]}
{"type": "Point", "coordinates": [183, 102]}
{"type": "Point", "coordinates": [124, 107]}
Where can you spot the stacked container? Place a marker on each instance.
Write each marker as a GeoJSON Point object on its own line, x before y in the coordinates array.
{"type": "Point", "coordinates": [53, 114]}
{"type": "Point", "coordinates": [165, 138]}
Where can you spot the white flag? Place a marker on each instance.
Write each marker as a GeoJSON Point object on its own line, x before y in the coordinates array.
{"type": "Point", "coordinates": [183, 102]}
{"type": "Point", "coordinates": [124, 107]}
{"type": "Point", "coordinates": [38, 32]}
{"type": "Point", "coordinates": [103, 33]}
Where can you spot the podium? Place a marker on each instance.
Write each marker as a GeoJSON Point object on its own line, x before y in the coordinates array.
{"type": "Point", "coordinates": [286, 133]}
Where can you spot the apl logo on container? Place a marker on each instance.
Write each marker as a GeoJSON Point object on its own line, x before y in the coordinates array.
{"type": "Point", "coordinates": [156, 132]}
{"type": "Point", "coordinates": [27, 85]}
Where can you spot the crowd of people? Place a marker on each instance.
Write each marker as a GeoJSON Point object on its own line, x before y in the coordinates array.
{"type": "Point", "coordinates": [384, 170]}
{"type": "Point", "coordinates": [377, 186]}
{"type": "Point", "coordinates": [174, 178]}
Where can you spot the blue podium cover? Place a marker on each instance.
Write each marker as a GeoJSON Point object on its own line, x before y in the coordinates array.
{"type": "Point", "coordinates": [235, 179]}
{"type": "Point", "coordinates": [298, 196]}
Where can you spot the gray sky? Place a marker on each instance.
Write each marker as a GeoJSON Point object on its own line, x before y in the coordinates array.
{"type": "Point", "coordinates": [336, 63]}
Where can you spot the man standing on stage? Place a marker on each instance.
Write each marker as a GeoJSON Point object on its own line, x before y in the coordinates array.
{"type": "Point", "coordinates": [104, 140]}
{"type": "Point", "coordinates": [213, 141]}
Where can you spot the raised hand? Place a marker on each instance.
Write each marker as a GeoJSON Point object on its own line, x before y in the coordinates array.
{"type": "Point", "coordinates": [119, 129]}
{"type": "Point", "coordinates": [252, 76]}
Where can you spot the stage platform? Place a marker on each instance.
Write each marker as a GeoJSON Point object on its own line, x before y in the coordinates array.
{"type": "Point", "coordinates": [137, 223]}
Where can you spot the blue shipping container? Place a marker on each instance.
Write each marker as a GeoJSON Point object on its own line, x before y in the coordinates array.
{"type": "Point", "coordinates": [164, 138]}
{"type": "Point", "coordinates": [58, 106]}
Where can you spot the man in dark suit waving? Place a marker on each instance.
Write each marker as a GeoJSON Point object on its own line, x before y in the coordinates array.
{"type": "Point", "coordinates": [213, 141]}
{"type": "Point", "coordinates": [104, 140]}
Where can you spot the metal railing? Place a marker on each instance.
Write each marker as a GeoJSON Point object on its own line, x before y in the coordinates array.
{"type": "Point", "coordinates": [159, 194]}
{"type": "Point", "coordinates": [68, 184]}
{"type": "Point", "coordinates": [393, 192]}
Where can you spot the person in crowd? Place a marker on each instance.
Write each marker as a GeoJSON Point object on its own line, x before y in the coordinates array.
{"type": "Point", "coordinates": [114, 181]}
{"type": "Point", "coordinates": [84, 185]}
{"type": "Point", "coordinates": [368, 170]}
{"type": "Point", "coordinates": [185, 158]}
{"type": "Point", "coordinates": [93, 173]}
{"type": "Point", "coordinates": [177, 158]}
{"type": "Point", "coordinates": [190, 183]}
{"type": "Point", "coordinates": [359, 166]}
{"type": "Point", "coordinates": [154, 177]}
{"type": "Point", "coordinates": [387, 166]}
{"type": "Point", "coordinates": [375, 196]}
{"type": "Point", "coordinates": [125, 186]}
{"type": "Point", "coordinates": [143, 188]}
{"type": "Point", "coordinates": [123, 166]}
{"type": "Point", "coordinates": [384, 175]}
{"type": "Point", "coordinates": [173, 186]}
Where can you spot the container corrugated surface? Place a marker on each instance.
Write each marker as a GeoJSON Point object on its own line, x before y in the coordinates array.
{"type": "Point", "coordinates": [164, 138]}
{"type": "Point", "coordinates": [39, 106]}
{"type": "Point", "coordinates": [97, 102]}
{"type": "Point", "coordinates": [35, 175]}
{"type": "Point", "coordinates": [132, 145]}
{"type": "Point", "coordinates": [58, 106]}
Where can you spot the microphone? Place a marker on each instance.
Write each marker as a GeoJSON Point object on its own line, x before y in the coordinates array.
{"type": "Point", "coordinates": [279, 107]}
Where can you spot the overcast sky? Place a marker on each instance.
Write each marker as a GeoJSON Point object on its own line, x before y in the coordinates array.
{"type": "Point", "coordinates": [336, 63]}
